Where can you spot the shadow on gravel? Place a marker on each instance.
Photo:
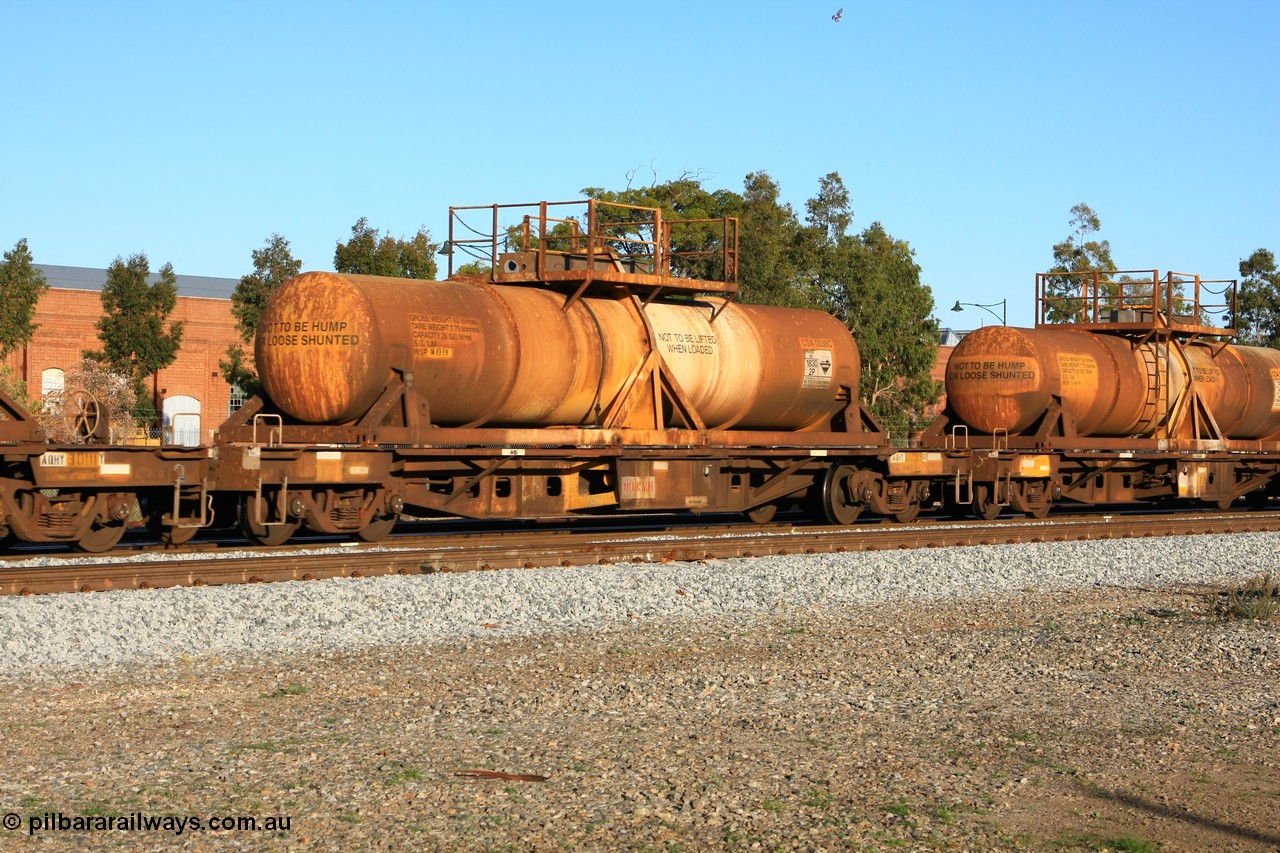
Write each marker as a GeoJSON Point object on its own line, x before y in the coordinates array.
{"type": "Point", "coordinates": [1172, 813]}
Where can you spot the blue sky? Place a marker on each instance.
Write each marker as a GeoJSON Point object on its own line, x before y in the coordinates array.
{"type": "Point", "coordinates": [192, 131]}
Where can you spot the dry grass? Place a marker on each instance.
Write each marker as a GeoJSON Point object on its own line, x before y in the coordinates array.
{"type": "Point", "coordinates": [1256, 599]}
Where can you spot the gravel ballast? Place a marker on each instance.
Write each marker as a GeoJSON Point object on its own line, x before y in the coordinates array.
{"type": "Point", "coordinates": [107, 630]}
{"type": "Point", "coordinates": [1080, 696]}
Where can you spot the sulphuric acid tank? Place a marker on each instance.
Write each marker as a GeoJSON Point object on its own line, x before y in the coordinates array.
{"type": "Point", "coordinates": [484, 354]}
{"type": "Point", "coordinates": [1003, 378]}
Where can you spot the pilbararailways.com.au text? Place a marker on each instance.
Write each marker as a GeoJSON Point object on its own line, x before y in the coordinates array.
{"type": "Point", "coordinates": [141, 822]}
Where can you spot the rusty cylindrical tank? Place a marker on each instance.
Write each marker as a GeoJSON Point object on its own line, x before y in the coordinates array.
{"type": "Point", "coordinates": [513, 356]}
{"type": "Point", "coordinates": [1002, 378]}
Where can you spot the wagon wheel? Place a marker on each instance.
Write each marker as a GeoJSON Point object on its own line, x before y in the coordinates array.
{"type": "Point", "coordinates": [984, 505]}
{"type": "Point", "coordinates": [81, 414]}
{"type": "Point", "coordinates": [839, 500]}
{"type": "Point", "coordinates": [172, 536]}
{"type": "Point", "coordinates": [763, 514]}
{"type": "Point", "coordinates": [1032, 499]}
{"type": "Point", "coordinates": [253, 508]}
{"type": "Point", "coordinates": [378, 527]}
{"type": "Point", "coordinates": [169, 534]}
{"type": "Point", "coordinates": [910, 512]}
{"type": "Point", "coordinates": [102, 536]}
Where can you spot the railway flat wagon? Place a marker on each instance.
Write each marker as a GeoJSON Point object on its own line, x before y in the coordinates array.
{"type": "Point", "coordinates": [85, 492]}
{"type": "Point", "coordinates": [592, 360]}
{"type": "Point", "coordinates": [1128, 390]}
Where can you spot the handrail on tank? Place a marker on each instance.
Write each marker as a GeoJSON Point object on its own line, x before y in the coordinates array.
{"type": "Point", "coordinates": [635, 235]}
{"type": "Point", "coordinates": [1136, 300]}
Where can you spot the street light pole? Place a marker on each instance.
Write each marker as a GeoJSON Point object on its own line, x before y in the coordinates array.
{"type": "Point", "coordinates": [1003, 303]}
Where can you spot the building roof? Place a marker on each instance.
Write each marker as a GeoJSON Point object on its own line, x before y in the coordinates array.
{"type": "Point", "coordinates": [91, 278]}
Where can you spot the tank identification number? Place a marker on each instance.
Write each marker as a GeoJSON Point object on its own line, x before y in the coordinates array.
{"type": "Point", "coordinates": [309, 333]}
{"type": "Point", "coordinates": [85, 459]}
{"type": "Point", "coordinates": [436, 335]}
{"type": "Point", "coordinates": [1275, 398]}
{"type": "Point", "coordinates": [682, 343]}
{"type": "Point", "coordinates": [991, 368]}
{"type": "Point", "coordinates": [1077, 371]}
{"type": "Point", "coordinates": [72, 459]}
{"type": "Point", "coordinates": [639, 488]}
{"type": "Point", "coordinates": [817, 369]}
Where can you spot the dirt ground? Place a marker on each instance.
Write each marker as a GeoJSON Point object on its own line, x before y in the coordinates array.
{"type": "Point", "coordinates": [1096, 720]}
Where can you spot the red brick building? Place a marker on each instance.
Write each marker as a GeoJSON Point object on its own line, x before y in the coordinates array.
{"type": "Point", "coordinates": [192, 386]}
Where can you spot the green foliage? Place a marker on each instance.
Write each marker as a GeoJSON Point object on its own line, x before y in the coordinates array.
{"type": "Point", "coordinates": [875, 289]}
{"type": "Point", "coordinates": [370, 253]}
{"type": "Point", "coordinates": [235, 369]}
{"type": "Point", "coordinates": [17, 391]}
{"type": "Point", "coordinates": [680, 200]}
{"type": "Point", "coordinates": [21, 286]}
{"type": "Point", "coordinates": [769, 237]}
{"type": "Point", "coordinates": [287, 690]}
{"type": "Point", "coordinates": [1076, 254]}
{"type": "Point", "coordinates": [829, 210]}
{"type": "Point", "coordinates": [872, 283]}
{"type": "Point", "coordinates": [273, 265]}
{"type": "Point", "coordinates": [1257, 319]}
{"type": "Point", "coordinates": [473, 268]}
{"type": "Point", "coordinates": [135, 341]}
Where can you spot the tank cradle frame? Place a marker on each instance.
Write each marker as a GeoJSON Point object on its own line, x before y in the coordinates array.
{"type": "Point", "coordinates": [396, 459]}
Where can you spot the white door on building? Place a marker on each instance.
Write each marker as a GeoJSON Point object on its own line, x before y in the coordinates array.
{"type": "Point", "coordinates": [182, 420]}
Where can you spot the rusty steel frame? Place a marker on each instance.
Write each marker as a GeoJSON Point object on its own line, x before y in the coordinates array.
{"type": "Point", "coordinates": [69, 492]}
{"type": "Point", "coordinates": [597, 242]}
{"type": "Point", "coordinates": [1152, 315]}
{"type": "Point", "coordinates": [90, 481]}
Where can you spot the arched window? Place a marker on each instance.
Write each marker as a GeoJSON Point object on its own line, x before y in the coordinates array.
{"type": "Point", "coordinates": [52, 380]}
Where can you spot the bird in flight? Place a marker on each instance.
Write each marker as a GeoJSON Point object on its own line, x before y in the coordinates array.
{"type": "Point", "coordinates": [838, 15]}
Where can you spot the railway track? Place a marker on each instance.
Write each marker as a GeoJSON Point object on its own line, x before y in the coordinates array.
{"type": "Point", "coordinates": [571, 547]}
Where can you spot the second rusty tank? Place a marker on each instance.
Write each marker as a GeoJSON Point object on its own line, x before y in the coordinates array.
{"type": "Point", "coordinates": [518, 355]}
{"type": "Point", "coordinates": [1004, 379]}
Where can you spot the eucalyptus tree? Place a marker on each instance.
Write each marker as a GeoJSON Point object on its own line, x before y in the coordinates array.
{"type": "Point", "coordinates": [369, 252]}
{"type": "Point", "coordinates": [137, 339]}
{"type": "Point", "coordinates": [1257, 317]}
{"type": "Point", "coordinates": [273, 265]}
{"type": "Point", "coordinates": [21, 286]}
{"type": "Point", "coordinates": [1065, 299]}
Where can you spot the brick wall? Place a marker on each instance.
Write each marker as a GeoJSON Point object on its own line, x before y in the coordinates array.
{"type": "Point", "coordinates": [67, 321]}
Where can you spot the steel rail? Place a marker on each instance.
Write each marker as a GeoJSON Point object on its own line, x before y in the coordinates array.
{"type": "Point", "coordinates": [561, 548]}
